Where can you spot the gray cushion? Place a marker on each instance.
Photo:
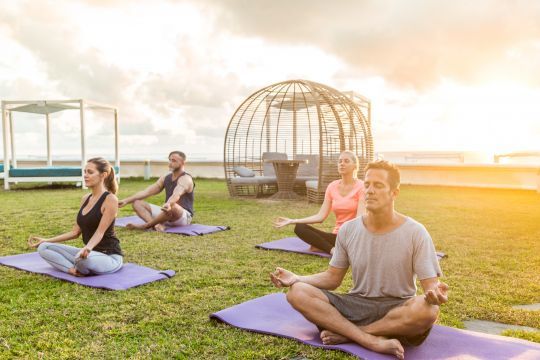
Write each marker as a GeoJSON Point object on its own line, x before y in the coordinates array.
{"type": "Point", "coordinates": [303, 179]}
{"type": "Point", "coordinates": [266, 180]}
{"type": "Point", "coordinates": [243, 171]}
{"type": "Point", "coordinates": [312, 184]}
{"type": "Point", "coordinates": [244, 181]}
{"type": "Point", "coordinates": [257, 180]}
{"type": "Point", "coordinates": [311, 168]}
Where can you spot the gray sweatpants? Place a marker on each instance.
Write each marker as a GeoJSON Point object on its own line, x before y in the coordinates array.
{"type": "Point", "coordinates": [62, 257]}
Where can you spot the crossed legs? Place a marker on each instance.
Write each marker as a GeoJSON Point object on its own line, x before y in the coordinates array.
{"type": "Point", "coordinates": [63, 257]}
{"type": "Point", "coordinates": [412, 318]}
{"type": "Point", "coordinates": [152, 220]}
{"type": "Point", "coordinates": [318, 239]}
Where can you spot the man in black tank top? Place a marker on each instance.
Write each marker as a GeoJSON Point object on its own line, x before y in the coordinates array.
{"type": "Point", "coordinates": [179, 197]}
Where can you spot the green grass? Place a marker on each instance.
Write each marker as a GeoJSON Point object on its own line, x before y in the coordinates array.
{"type": "Point", "coordinates": [492, 238]}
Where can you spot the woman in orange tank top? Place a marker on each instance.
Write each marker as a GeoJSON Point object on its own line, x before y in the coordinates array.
{"type": "Point", "coordinates": [343, 197]}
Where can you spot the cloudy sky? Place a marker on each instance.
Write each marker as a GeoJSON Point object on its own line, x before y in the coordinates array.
{"type": "Point", "coordinates": [446, 76]}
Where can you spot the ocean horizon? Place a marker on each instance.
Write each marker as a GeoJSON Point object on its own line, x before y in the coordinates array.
{"type": "Point", "coordinates": [400, 157]}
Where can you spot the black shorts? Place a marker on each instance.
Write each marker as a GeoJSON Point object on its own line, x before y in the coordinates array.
{"type": "Point", "coordinates": [363, 311]}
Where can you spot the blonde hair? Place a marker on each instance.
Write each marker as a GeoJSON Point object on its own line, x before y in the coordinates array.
{"type": "Point", "coordinates": [354, 158]}
{"type": "Point", "coordinates": [103, 166]}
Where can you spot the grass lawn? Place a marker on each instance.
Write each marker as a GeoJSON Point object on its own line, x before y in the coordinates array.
{"type": "Point", "coordinates": [492, 238]}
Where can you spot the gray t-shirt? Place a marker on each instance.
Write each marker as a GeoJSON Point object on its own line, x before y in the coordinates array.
{"type": "Point", "coordinates": [386, 265]}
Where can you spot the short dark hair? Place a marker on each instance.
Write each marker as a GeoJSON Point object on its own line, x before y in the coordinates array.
{"type": "Point", "coordinates": [179, 153]}
{"type": "Point", "coordinates": [393, 171]}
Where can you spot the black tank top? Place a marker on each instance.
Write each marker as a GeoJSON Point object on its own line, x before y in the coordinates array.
{"type": "Point", "coordinates": [187, 199]}
{"type": "Point", "coordinates": [89, 222]}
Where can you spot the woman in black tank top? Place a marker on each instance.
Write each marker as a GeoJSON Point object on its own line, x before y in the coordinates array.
{"type": "Point", "coordinates": [101, 253]}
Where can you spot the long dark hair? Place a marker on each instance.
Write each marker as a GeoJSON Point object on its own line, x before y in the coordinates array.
{"type": "Point", "coordinates": [103, 166]}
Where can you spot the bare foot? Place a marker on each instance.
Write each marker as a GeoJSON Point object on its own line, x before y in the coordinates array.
{"type": "Point", "coordinates": [314, 249]}
{"type": "Point", "coordinates": [388, 346]}
{"type": "Point", "coordinates": [379, 344]}
{"type": "Point", "coordinates": [74, 272]}
{"type": "Point", "coordinates": [331, 338]}
{"type": "Point", "coordinates": [159, 227]}
{"type": "Point", "coordinates": [136, 226]}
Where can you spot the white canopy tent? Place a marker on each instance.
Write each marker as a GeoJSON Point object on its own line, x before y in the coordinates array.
{"type": "Point", "coordinates": [47, 107]}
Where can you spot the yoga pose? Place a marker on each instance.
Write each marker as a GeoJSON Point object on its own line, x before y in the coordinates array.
{"type": "Point", "coordinates": [345, 197]}
{"type": "Point", "coordinates": [101, 253]}
{"type": "Point", "coordinates": [179, 197]}
{"type": "Point", "coordinates": [387, 252]}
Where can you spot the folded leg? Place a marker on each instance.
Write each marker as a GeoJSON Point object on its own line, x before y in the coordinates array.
{"type": "Point", "coordinates": [99, 263]}
{"type": "Point", "coordinates": [61, 257]}
{"type": "Point", "coordinates": [315, 237]}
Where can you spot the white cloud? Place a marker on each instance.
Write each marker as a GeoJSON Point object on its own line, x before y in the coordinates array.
{"type": "Point", "coordinates": [177, 70]}
{"type": "Point", "coordinates": [409, 43]}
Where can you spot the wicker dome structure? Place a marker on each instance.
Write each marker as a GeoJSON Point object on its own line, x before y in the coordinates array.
{"type": "Point", "coordinates": [295, 119]}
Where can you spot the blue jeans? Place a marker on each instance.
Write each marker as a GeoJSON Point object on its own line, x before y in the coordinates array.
{"type": "Point", "coordinates": [62, 257]}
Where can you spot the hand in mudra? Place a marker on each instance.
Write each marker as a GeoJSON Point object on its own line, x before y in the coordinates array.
{"type": "Point", "coordinates": [283, 278]}
{"type": "Point", "coordinates": [282, 221]}
{"type": "Point", "coordinates": [167, 208]}
{"type": "Point", "coordinates": [34, 241]}
{"type": "Point", "coordinates": [437, 296]}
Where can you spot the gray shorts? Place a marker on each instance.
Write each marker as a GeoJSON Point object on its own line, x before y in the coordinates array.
{"type": "Point", "coordinates": [363, 311]}
{"type": "Point", "coordinates": [184, 220]}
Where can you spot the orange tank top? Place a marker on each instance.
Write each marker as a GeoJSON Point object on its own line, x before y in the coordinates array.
{"type": "Point", "coordinates": [344, 207]}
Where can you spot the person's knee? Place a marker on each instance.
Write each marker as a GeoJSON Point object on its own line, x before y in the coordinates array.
{"type": "Point", "coordinates": [423, 314]}
{"type": "Point", "coordinates": [137, 204]}
{"type": "Point", "coordinates": [299, 229]}
{"type": "Point", "coordinates": [175, 213]}
{"type": "Point", "coordinates": [431, 315]}
{"type": "Point", "coordinates": [298, 294]}
{"type": "Point", "coordinates": [42, 247]}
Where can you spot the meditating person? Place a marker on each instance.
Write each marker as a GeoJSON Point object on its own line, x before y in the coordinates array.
{"type": "Point", "coordinates": [101, 253]}
{"type": "Point", "coordinates": [345, 197]}
{"type": "Point", "coordinates": [387, 252]}
{"type": "Point", "coordinates": [179, 197]}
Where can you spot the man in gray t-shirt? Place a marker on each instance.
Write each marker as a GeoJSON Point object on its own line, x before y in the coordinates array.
{"type": "Point", "coordinates": [395, 258]}
{"type": "Point", "coordinates": [387, 253]}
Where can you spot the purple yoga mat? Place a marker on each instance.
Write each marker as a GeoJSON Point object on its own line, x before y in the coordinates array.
{"type": "Point", "coordinates": [291, 244]}
{"type": "Point", "coordinates": [190, 230]}
{"type": "Point", "coordinates": [130, 275]}
{"type": "Point", "coordinates": [294, 244]}
{"type": "Point", "coordinates": [272, 315]}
